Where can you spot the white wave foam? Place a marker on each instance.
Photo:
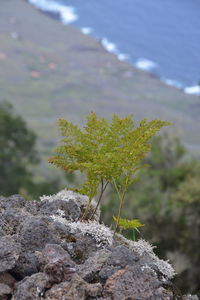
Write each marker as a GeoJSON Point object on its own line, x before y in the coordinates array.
{"type": "Point", "coordinates": [193, 90]}
{"type": "Point", "coordinates": [110, 47]}
{"type": "Point", "coordinates": [172, 82]}
{"type": "Point", "coordinates": [67, 13]}
{"type": "Point", "coordinates": [145, 64]}
{"type": "Point", "coordinates": [122, 56]}
{"type": "Point", "coordinates": [86, 30]}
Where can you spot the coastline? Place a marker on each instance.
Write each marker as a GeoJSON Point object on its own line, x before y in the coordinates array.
{"type": "Point", "coordinates": [67, 15]}
{"type": "Point", "coordinates": [57, 71]}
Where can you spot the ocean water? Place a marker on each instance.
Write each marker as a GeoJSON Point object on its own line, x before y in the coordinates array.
{"type": "Point", "coordinates": [162, 37]}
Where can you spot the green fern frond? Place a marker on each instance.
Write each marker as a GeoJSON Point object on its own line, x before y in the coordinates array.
{"type": "Point", "coordinates": [127, 224]}
{"type": "Point", "coordinates": [106, 152]}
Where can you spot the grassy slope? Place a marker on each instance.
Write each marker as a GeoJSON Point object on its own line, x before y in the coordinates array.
{"type": "Point", "coordinates": [85, 78]}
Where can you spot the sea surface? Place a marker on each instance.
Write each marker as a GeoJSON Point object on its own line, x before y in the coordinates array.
{"type": "Point", "coordinates": [162, 37]}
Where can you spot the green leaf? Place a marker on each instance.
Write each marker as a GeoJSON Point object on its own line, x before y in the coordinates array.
{"type": "Point", "coordinates": [127, 224]}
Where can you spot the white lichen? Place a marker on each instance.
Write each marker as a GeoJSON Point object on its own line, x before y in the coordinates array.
{"type": "Point", "coordinates": [146, 267]}
{"type": "Point", "coordinates": [60, 213]}
{"type": "Point", "coordinates": [143, 248]}
{"type": "Point", "coordinates": [80, 200]}
{"type": "Point", "coordinates": [59, 219]}
{"type": "Point", "coordinates": [101, 233]}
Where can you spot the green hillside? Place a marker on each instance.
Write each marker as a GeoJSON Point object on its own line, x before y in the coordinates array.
{"type": "Point", "coordinates": [49, 71]}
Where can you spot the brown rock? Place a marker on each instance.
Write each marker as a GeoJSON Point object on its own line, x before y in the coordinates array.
{"type": "Point", "coordinates": [7, 279]}
{"type": "Point", "coordinates": [77, 289]}
{"type": "Point", "coordinates": [56, 263]}
{"type": "Point", "coordinates": [5, 291]}
{"type": "Point", "coordinates": [135, 283]}
{"type": "Point", "coordinates": [89, 271]}
{"type": "Point", "coordinates": [32, 287]}
{"type": "Point", "coordinates": [9, 253]}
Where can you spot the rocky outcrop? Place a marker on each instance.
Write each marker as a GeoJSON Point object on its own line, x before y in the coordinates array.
{"type": "Point", "coordinates": [46, 252]}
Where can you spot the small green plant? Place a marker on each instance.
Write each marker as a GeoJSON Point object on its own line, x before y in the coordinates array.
{"type": "Point", "coordinates": [125, 224]}
{"type": "Point", "coordinates": [106, 152]}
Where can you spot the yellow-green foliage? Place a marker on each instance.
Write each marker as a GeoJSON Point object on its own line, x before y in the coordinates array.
{"type": "Point", "coordinates": [124, 224]}
{"type": "Point", "coordinates": [127, 224]}
{"type": "Point", "coordinates": [107, 152]}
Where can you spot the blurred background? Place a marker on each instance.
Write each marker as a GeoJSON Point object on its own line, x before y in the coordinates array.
{"type": "Point", "coordinates": [62, 58]}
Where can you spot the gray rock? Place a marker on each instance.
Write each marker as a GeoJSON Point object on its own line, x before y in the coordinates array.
{"type": "Point", "coordinates": [8, 279]}
{"type": "Point", "coordinates": [9, 253]}
{"type": "Point", "coordinates": [2, 203]}
{"type": "Point", "coordinates": [35, 233]}
{"type": "Point", "coordinates": [77, 199]}
{"type": "Point", "coordinates": [44, 236]}
{"type": "Point", "coordinates": [190, 297]}
{"type": "Point", "coordinates": [62, 230]}
{"type": "Point", "coordinates": [5, 291]}
{"type": "Point", "coordinates": [135, 283]}
{"type": "Point", "coordinates": [56, 263]}
{"type": "Point", "coordinates": [26, 265]}
{"type": "Point", "coordinates": [33, 207]}
{"type": "Point", "coordinates": [14, 201]}
{"type": "Point", "coordinates": [81, 247]}
{"type": "Point", "coordinates": [11, 218]}
{"type": "Point", "coordinates": [32, 288]}
{"type": "Point", "coordinates": [120, 257]}
{"type": "Point", "coordinates": [76, 289]}
{"type": "Point", "coordinates": [69, 208]}
{"type": "Point", "coordinates": [89, 271]}
{"type": "Point", "coordinates": [163, 294]}
{"type": "Point", "coordinates": [2, 232]}
{"type": "Point", "coordinates": [107, 272]}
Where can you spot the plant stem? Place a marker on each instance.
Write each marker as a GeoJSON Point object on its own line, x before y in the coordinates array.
{"type": "Point", "coordinates": [134, 235]}
{"type": "Point", "coordinates": [100, 197]}
{"type": "Point", "coordinates": [139, 233]}
{"type": "Point", "coordinates": [121, 202]}
{"type": "Point", "coordinates": [117, 190]}
{"type": "Point", "coordinates": [87, 209]}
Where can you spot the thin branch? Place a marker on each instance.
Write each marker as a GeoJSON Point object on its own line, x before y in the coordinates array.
{"type": "Point", "coordinates": [139, 233]}
{"type": "Point", "coordinates": [100, 197]}
{"type": "Point", "coordinates": [121, 202]}
{"type": "Point", "coordinates": [87, 209]}
{"type": "Point", "coordinates": [118, 193]}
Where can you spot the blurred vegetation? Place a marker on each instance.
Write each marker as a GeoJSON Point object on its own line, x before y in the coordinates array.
{"type": "Point", "coordinates": [167, 200]}
{"type": "Point", "coordinates": [18, 156]}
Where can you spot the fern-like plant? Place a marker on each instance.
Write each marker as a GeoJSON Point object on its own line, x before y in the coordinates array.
{"type": "Point", "coordinates": [106, 152]}
{"type": "Point", "coordinates": [125, 224]}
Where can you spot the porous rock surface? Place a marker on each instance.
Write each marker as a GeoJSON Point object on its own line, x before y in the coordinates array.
{"type": "Point", "coordinates": [47, 252]}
